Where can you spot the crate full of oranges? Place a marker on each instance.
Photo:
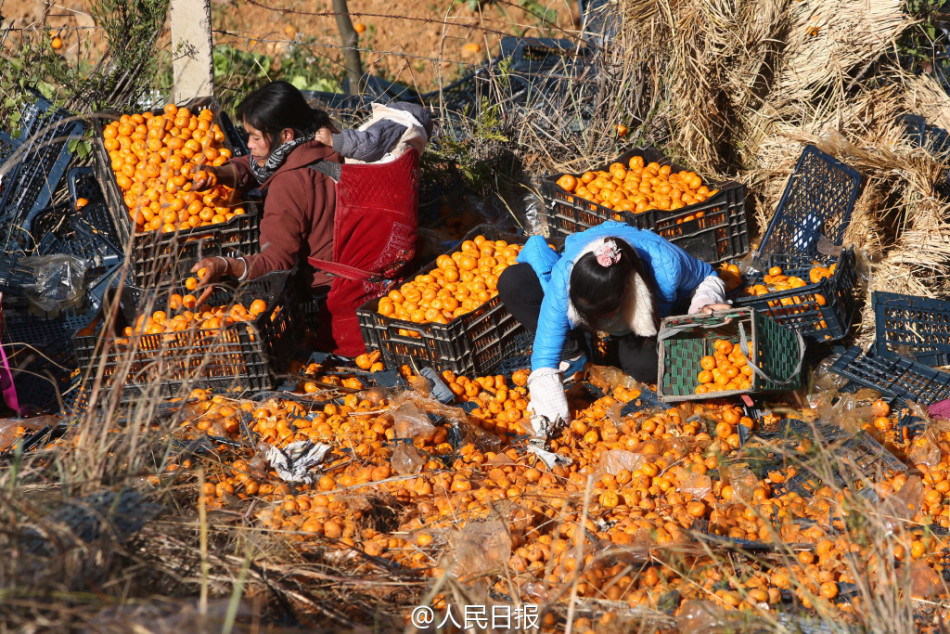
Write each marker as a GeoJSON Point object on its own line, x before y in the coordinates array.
{"type": "Point", "coordinates": [162, 341]}
{"type": "Point", "coordinates": [644, 189]}
{"type": "Point", "coordinates": [731, 352]}
{"type": "Point", "coordinates": [148, 164]}
{"type": "Point", "coordinates": [449, 316]}
{"type": "Point", "coordinates": [813, 295]}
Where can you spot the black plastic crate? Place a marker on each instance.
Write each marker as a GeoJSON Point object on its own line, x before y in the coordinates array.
{"type": "Point", "coordinates": [857, 457]}
{"type": "Point", "coordinates": [820, 311]}
{"type": "Point", "coordinates": [715, 230]}
{"type": "Point", "coordinates": [817, 201]}
{"type": "Point", "coordinates": [917, 328]}
{"type": "Point", "coordinates": [236, 139]}
{"type": "Point", "coordinates": [81, 241]}
{"type": "Point", "coordinates": [542, 56]}
{"type": "Point", "coordinates": [599, 20]}
{"type": "Point", "coordinates": [13, 275]}
{"type": "Point", "coordinates": [42, 155]}
{"type": "Point", "coordinates": [82, 183]}
{"type": "Point", "coordinates": [50, 336]}
{"type": "Point", "coordinates": [895, 378]}
{"type": "Point", "coordinates": [337, 368]}
{"type": "Point", "coordinates": [241, 355]}
{"type": "Point", "coordinates": [471, 344]}
{"type": "Point", "coordinates": [162, 259]}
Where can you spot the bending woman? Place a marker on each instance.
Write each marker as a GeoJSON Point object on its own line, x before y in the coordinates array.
{"type": "Point", "coordinates": [613, 278]}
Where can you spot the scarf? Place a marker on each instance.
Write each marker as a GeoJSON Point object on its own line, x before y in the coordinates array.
{"type": "Point", "coordinates": [276, 158]}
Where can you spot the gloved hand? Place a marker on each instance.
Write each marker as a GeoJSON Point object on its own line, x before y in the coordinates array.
{"type": "Point", "coordinates": [548, 406]}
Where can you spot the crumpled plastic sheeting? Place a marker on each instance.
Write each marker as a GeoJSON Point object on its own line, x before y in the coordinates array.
{"type": "Point", "coordinates": [59, 281]}
{"type": "Point", "coordinates": [480, 548]}
{"type": "Point", "coordinates": [294, 462]}
{"type": "Point", "coordinates": [548, 457]}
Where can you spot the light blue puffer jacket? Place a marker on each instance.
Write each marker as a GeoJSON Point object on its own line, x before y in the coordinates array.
{"type": "Point", "coordinates": [676, 272]}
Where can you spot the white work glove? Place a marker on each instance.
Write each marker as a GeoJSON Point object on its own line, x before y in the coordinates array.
{"type": "Point", "coordinates": [548, 406]}
{"type": "Point", "coordinates": [711, 290]}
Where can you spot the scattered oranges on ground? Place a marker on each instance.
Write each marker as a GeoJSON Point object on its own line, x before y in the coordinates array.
{"type": "Point", "coordinates": [459, 283]}
{"type": "Point", "coordinates": [636, 187]}
{"type": "Point", "coordinates": [157, 158]}
{"type": "Point", "coordinates": [651, 482]}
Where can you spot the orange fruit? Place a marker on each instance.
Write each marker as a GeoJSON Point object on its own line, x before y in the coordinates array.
{"type": "Point", "coordinates": [567, 182]}
{"type": "Point", "coordinates": [257, 307]}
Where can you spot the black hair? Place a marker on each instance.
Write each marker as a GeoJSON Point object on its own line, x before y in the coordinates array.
{"type": "Point", "coordinates": [280, 105]}
{"type": "Point", "coordinates": [599, 290]}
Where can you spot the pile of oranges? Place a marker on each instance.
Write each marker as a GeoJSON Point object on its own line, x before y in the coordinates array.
{"type": "Point", "coordinates": [637, 187]}
{"type": "Point", "coordinates": [459, 283]}
{"type": "Point", "coordinates": [775, 281]}
{"type": "Point", "coordinates": [725, 370]}
{"type": "Point", "coordinates": [184, 315]}
{"type": "Point", "coordinates": [158, 157]}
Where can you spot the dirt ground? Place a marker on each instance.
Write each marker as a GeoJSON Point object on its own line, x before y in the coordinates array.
{"type": "Point", "coordinates": [413, 41]}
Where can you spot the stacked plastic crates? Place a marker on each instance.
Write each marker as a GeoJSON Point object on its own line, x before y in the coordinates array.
{"type": "Point", "coordinates": [37, 343]}
{"type": "Point", "coordinates": [912, 340]}
{"type": "Point", "coordinates": [807, 231]}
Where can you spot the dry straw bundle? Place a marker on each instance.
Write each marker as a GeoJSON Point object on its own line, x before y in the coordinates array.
{"type": "Point", "coordinates": [749, 82]}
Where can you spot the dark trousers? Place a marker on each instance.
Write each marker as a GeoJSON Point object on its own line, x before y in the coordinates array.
{"type": "Point", "coordinates": [520, 291]}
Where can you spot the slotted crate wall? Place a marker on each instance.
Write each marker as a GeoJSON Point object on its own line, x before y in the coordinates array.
{"type": "Point", "coordinates": [817, 201]}
{"type": "Point", "coordinates": [242, 355]}
{"type": "Point", "coordinates": [821, 311]}
{"type": "Point", "coordinates": [914, 327]}
{"type": "Point", "coordinates": [895, 378]}
{"type": "Point", "coordinates": [41, 154]}
{"type": "Point", "coordinates": [474, 343]}
{"type": "Point", "coordinates": [684, 340]}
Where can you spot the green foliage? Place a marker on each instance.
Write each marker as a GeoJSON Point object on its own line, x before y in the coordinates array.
{"type": "Point", "coordinates": [80, 147]}
{"type": "Point", "coordinates": [471, 149]}
{"type": "Point", "coordinates": [546, 15]}
{"type": "Point", "coordinates": [307, 71]}
{"type": "Point", "coordinates": [239, 71]}
{"type": "Point", "coordinates": [33, 65]}
{"type": "Point", "coordinates": [920, 43]}
{"type": "Point", "coordinates": [125, 74]}
{"type": "Point", "coordinates": [131, 27]}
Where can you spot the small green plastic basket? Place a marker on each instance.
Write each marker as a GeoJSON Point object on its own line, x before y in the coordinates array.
{"type": "Point", "coordinates": [775, 351]}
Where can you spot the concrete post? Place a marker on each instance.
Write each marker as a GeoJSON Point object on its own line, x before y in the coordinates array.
{"type": "Point", "coordinates": [192, 60]}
